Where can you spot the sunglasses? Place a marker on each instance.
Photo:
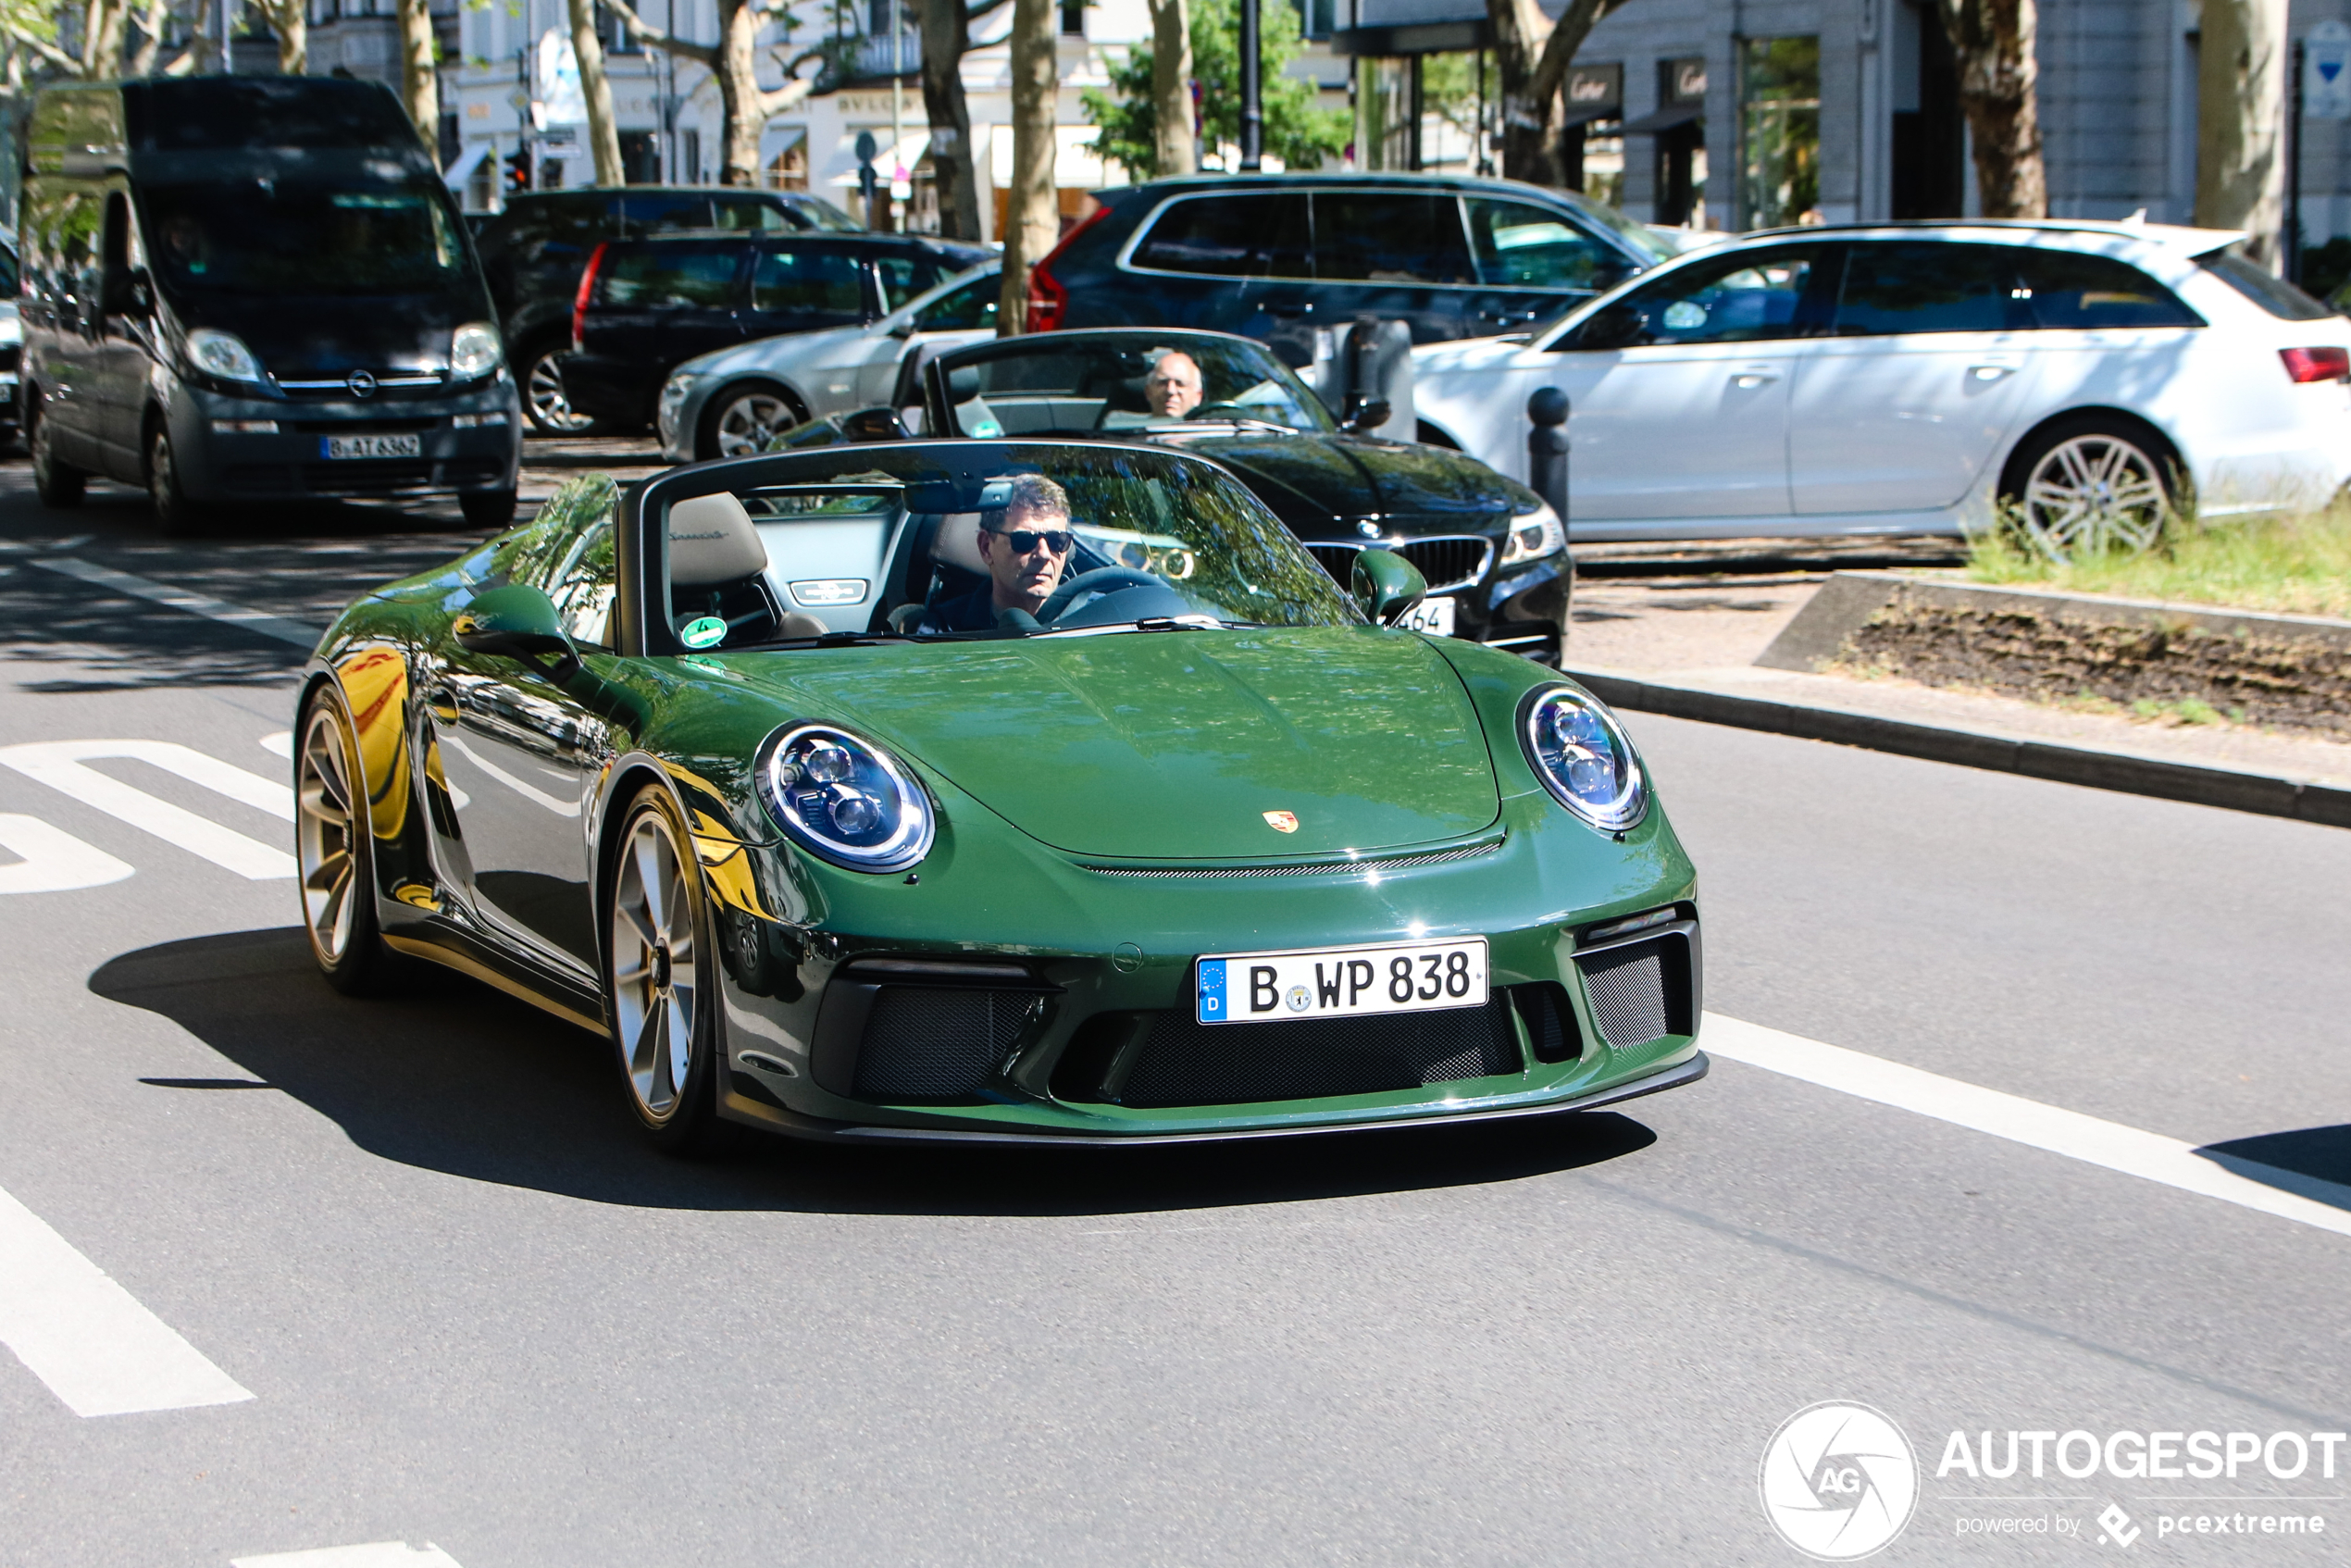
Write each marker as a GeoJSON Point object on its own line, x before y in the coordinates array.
{"type": "Point", "coordinates": [1023, 540]}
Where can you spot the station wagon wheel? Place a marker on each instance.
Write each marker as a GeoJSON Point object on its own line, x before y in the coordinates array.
{"type": "Point", "coordinates": [2088, 487]}
{"type": "Point", "coordinates": [748, 421]}
{"type": "Point", "coordinates": [334, 853]}
{"type": "Point", "coordinates": [657, 980]}
{"type": "Point", "coordinates": [543, 396]}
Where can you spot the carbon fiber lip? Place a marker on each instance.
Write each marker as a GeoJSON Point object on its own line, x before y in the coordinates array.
{"type": "Point", "coordinates": [1314, 868]}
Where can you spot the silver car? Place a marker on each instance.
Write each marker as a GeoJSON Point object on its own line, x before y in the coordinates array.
{"type": "Point", "coordinates": [733, 402]}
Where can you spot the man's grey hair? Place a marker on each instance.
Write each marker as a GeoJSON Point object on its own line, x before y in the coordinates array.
{"type": "Point", "coordinates": [1029, 493]}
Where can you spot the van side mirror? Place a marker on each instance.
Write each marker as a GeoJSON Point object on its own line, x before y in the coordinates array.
{"type": "Point", "coordinates": [1386, 585]}
{"type": "Point", "coordinates": [516, 621]}
{"type": "Point", "coordinates": [1371, 416]}
{"type": "Point", "coordinates": [1615, 325]}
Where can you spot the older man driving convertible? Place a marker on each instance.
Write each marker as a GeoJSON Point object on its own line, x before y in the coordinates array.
{"type": "Point", "coordinates": [1025, 543]}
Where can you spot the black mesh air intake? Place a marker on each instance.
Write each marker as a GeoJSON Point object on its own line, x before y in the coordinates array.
{"type": "Point", "coordinates": [1551, 1022]}
{"type": "Point", "coordinates": [1641, 991]}
{"type": "Point", "coordinates": [1337, 559]}
{"type": "Point", "coordinates": [1187, 1062]}
{"type": "Point", "coordinates": [927, 1043]}
{"type": "Point", "coordinates": [1446, 563]}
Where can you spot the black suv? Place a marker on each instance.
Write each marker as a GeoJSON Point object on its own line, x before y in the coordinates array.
{"type": "Point", "coordinates": [532, 254]}
{"type": "Point", "coordinates": [648, 306]}
{"type": "Point", "coordinates": [1276, 256]}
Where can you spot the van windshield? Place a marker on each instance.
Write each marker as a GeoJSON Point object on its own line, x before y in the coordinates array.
{"type": "Point", "coordinates": [276, 237]}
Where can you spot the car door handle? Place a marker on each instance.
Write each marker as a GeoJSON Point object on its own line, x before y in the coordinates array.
{"type": "Point", "coordinates": [1304, 308]}
{"type": "Point", "coordinates": [1508, 317]}
{"type": "Point", "coordinates": [1990, 371]}
{"type": "Point", "coordinates": [1754, 376]}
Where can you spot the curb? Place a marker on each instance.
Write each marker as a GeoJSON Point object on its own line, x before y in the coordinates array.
{"type": "Point", "coordinates": [2264, 794]}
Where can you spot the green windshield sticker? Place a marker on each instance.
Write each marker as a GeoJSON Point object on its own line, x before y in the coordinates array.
{"type": "Point", "coordinates": [707, 632]}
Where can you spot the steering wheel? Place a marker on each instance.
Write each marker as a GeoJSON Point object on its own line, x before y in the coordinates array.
{"type": "Point", "coordinates": [1101, 579]}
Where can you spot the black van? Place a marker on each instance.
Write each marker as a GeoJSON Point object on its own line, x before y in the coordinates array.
{"type": "Point", "coordinates": [250, 289]}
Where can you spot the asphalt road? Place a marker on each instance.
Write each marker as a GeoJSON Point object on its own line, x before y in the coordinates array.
{"type": "Point", "coordinates": [470, 1309]}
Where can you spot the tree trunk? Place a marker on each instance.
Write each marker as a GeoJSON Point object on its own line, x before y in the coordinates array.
{"type": "Point", "coordinates": [741, 115]}
{"type": "Point", "coordinates": [946, 30]}
{"type": "Point", "coordinates": [1531, 129]}
{"type": "Point", "coordinates": [2000, 93]}
{"type": "Point", "coordinates": [2240, 146]}
{"type": "Point", "coordinates": [1032, 218]}
{"type": "Point", "coordinates": [419, 77]}
{"type": "Point", "coordinates": [289, 20]}
{"type": "Point", "coordinates": [1171, 87]}
{"type": "Point", "coordinates": [603, 136]}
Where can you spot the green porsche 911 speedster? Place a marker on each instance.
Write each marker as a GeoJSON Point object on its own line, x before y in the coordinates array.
{"type": "Point", "coordinates": [1045, 792]}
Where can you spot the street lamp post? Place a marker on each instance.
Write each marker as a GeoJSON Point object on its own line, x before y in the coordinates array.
{"type": "Point", "coordinates": [1252, 106]}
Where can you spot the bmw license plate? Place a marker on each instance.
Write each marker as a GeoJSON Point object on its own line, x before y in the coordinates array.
{"type": "Point", "coordinates": [372, 446]}
{"type": "Point", "coordinates": [1347, 982]}
{"type": "Point", "coordinates": [1432, 615]}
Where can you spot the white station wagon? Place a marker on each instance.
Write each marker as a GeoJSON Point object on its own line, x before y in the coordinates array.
{"type": "Point", "coordinates": [1908, 379]}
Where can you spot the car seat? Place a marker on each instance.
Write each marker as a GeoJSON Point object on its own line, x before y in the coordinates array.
{"type": "Point", "coordinates": [718, 566]}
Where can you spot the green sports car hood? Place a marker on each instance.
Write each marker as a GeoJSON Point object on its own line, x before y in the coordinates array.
{"type": "Point", "coordinates": [1175, 746]}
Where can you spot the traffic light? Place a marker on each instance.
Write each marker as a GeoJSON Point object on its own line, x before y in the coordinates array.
{"type": "Point", "coordinates": [517, 171]}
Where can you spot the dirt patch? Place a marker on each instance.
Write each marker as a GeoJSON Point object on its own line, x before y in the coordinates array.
{"type": "Point", "coordinates": [2284, 684]}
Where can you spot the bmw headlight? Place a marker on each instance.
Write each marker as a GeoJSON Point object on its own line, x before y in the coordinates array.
{"type": "Point", "coordinates": [223, 355]}
{"type": "Point", "coordinates": [1533, 535]}
{"type": "Point", "coordinates": [843, 799]}
{"type": "Point", "coordinates": [474, 351]}
{"type": "Point", "coordinates": [1584, 757]}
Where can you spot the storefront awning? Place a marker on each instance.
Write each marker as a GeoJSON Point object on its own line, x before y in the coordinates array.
{"type": "Point", "coordinates": [907, 155]}
{"type": "Point", "coordinates": [1665, 119]}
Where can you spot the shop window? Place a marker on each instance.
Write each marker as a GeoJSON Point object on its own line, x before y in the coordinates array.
{"type": "Point", "coordinates": [1779, 132]}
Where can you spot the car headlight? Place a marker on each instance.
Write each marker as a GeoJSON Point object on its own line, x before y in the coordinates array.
{"type": "Point", "coordinates": [474, 351]}
{"type": "Point", "coordinates": [1533, 535]}
{"type": "Point", "coordinates": [223, 355]}
{"type": "Point", "coordinates": [844, 800]}
{"type": "Point", "coordinates": [1584, 757]}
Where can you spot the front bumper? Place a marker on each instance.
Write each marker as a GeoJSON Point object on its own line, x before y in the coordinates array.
{"type": "Point", "coordinates": [229, 448]}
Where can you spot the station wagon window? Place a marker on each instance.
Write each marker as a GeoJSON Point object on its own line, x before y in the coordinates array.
{"type": "Point", "coordinates": [751, 216]}
{"type": "Point", "coordinates": [1745, 298]}
{"type": "Point", "coordinates": [2068, 289]}
{"type": "Point", "coordinates": [1389, 237]}
{"type": "Point", "coordinates": [1239, 236]}
{"type": "Point", "coordinates": [2275, 295]}
{"type": "Point", "coordinates": [1521, 245]}
{"type": "Point", "coordinates": [1924, 287]}
{"type": "Point", "coordinates": [808, 283]}
{"type": "Point", "coordinates": [648, 214]}
{"type": "Point", "coordinates": [903, 276]}
{"type": "Point", "coordinates": [670, 276]}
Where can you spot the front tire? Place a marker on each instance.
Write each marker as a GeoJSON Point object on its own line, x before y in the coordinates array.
{"type": "Point", "coordinates": [178, 516]}
{"type": "Point", "coordinates": [334, 848]}
{"type": "Point", "coordinates": [59, 484]}
{"type": "Point", "coordinates": [745, 420]}
{"type": "Point", "coordinates": [660, 979]}
{"type": "Point", "coordinates": [2088, 486]}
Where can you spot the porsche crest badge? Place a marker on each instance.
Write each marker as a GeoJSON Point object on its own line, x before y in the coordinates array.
{"type": "Point", "coordinates": [1282, 821]}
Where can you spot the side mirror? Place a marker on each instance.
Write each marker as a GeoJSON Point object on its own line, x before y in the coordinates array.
{"type": "Point", "coordinates": [1386, 585]}
{"type": "Point", "coordinates": [516, 621]}
{"type": "Point", "coordinates": [873, 424]}
{"type": "Point", "coordinates": [903, 327]}
{"type": "Point", "coordinates": [962, 383]}
{"type": "Point", "coordinates": [1370, 416]}
{"type": "Point", "coordinates": [1616, 326]}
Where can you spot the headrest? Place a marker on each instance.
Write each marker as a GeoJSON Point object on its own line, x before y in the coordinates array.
{"type": "Point", "coordinates": [712, 540]}
{"type": "Point", "coordinates": [957, 542]}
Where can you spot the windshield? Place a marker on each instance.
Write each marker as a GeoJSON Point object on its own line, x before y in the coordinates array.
{"type": "Point", "coordinates": [276, 237]}
{"type": "Point", "coordinates": [1652, 246]}
{"type": "Point", "coordinates": [1139, 381]}
{"type": "Point", "coordinates": [985, 543]}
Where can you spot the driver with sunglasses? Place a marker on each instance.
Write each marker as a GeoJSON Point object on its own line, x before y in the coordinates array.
{"type": "Point", "coordinates": [1025, 543]}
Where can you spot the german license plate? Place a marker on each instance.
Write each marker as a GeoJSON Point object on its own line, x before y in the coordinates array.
{"type": "Point", "coordinates": [1347, 982]}
{"type": "Point", "coordinates": [372, 446]}
{"type": "Point", "coordinates": [1432, 615]}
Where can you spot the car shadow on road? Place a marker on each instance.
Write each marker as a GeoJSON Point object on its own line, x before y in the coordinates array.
{"type": "Point", "coordinates": [2312, 1162]}
{"type": "Point", "coordinates": [453, 1076]}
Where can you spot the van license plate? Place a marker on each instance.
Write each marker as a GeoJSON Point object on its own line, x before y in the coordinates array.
{"type": "Point", "coordinates": [372, 446]}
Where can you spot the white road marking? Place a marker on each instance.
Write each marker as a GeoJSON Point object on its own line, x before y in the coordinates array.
{"type": "Point", "coordinates": [303, 636]}
{"type": "Point", "coordinates": [61, 765]}
{"type": "Point", "coordinates": [86, 1337]}
{"type": "Point", "coordinates": [54, 861]}
{"type": "Point", "coordinates": [382, 1554]}
{"type": "Point", "coordinates": [2324, 1205]}
{"type": "Point", "coordinates": [281, 742]}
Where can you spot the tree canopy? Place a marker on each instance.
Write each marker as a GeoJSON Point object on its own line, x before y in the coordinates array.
{"type": "Point", "coordinates": [1298, 131]}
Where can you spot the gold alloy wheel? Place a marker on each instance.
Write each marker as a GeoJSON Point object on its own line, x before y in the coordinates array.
{"type": "Point", "coordinates": [326, 822]}
{"type": "Point", "coordinates": [656, 971]}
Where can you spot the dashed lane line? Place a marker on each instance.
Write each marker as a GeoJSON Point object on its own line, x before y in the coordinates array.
{"type": "Point", "coordinates": [64, 767]}
{"type": "Point", "coordinates": [303, 636]}
{"type": "Point", "coordinates": [2324, 1205]}
{"type": "Point", "coordinates": [380, 1554]}
{"type": "Point", "coordinates": [86, 1337]}
{"type": "Point", "coordinates": [53, 861]}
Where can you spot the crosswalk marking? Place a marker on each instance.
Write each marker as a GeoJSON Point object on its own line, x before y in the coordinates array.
{"type": "Point", "coordinates": [86, 1337]}
{"type": "Point", "coordinates": [380, 1554]}
{"type": "Point", "coordinates": [278, 627]}
{"type": "Point", "coordinates": [2311, 1200]}
{"type": "Point", "coordinates": [54, 861]}
{"type": "Point", "coordinates": [62, 764]}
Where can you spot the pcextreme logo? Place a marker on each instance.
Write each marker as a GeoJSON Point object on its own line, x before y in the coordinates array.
{"type": "Point", "coordinates": [1838, 1481]}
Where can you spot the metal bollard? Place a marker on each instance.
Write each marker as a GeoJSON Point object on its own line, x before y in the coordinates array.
{"type": "Point", "coordinates": [1547, 448]}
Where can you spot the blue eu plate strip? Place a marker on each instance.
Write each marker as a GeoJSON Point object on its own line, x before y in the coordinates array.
{"type": "Point", "coordinates": [1212, 991]}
